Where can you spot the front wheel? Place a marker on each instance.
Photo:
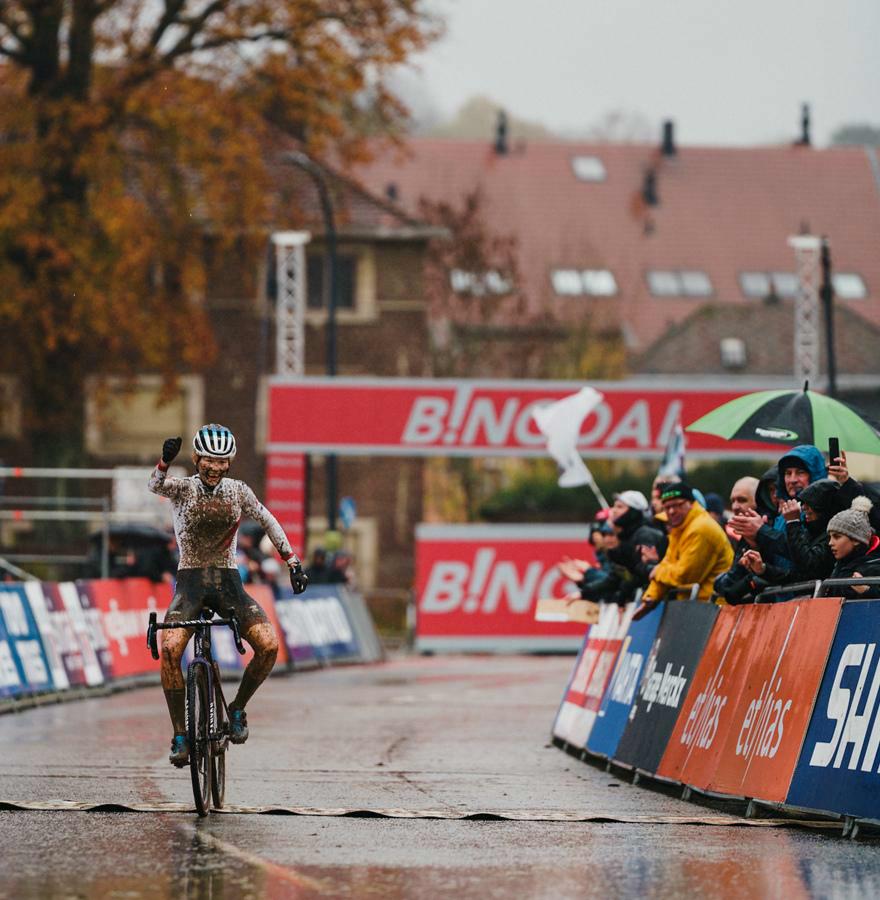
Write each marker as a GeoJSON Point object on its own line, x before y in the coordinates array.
{"type": "Point", "coordinates": [198, 733]}
{"type": "Point", "coordinates": [218, 756]}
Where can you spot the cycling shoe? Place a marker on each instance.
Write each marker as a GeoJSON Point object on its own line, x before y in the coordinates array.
{"type": "Point", "coordinates": [238, 730]}
{"type": "Point", "coordinates": [179, 751]}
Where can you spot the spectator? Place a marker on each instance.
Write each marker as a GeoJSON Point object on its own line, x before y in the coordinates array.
{"type": "Point", "coordinates": [698, 549]}
{"type": "Point", "coordinates": [856, 549]}
{"type": "Point", "coordinates": [715, 507]}
{"type": "Point", "coordinates": [735, 585]}
{"type": "Point", "coordinates": [318, 571]}
{"type": "Point", "coordinates": [628, 514]}
{"type": "Point", "coordinates": [806, 521]}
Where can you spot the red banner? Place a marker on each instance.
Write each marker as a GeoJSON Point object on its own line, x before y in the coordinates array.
{"type": "Point", "coordinates": [478, 585]}
{"type": "Point", "coordinates": [481, 418]}
{"type": "Point", "coordinates": [744, 720]}
{"type": "Point", "coordinates": [286, 496]}
{"type": "Point", "coordinates": [125, 607]}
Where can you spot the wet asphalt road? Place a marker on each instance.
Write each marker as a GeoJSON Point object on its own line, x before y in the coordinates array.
{"type": "Point", "coordinates": [449, 734]}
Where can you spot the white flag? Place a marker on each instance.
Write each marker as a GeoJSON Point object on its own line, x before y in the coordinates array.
{"type": "Point", "coordinates": [560, 423]}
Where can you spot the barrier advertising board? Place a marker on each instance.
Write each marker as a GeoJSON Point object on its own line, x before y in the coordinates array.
{"type": "Point", "coordinates": [24, 667]}
{"type": "Point", "coordinates": [125, 606]}
{"type": "Point", "coordinates": [839, 765]}
{"type": "Point", "coordinates": [477, 586]}
{"type": "Point", "coordinates": [448, 417]}
{"type": "Point", "coordinates": [677, 649]}
{"type": "Point", "coordinates": [94, 619]}
{"type": "Point", "coordinates": [614, 712]}
{"type": "Point", "coordinates": [60, 607]}
{"type": "Point", "coordinates": [320, 617]}
{"type": "Point", "coordinates": [768, 724]}
{"type": "Point", "coordinates": [743, 721]}
{"type": "Point", "coordinates": [593, 669]}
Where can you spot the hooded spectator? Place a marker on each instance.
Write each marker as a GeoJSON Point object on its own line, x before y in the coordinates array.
{"type": "Point", "coordinates": [805, 526]}
{"type": "Point", "coordinates": [715, 507]}
{"type": "Point", "coordinates": [855, 547]}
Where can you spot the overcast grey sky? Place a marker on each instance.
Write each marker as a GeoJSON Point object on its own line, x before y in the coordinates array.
{"type": "Point", "coordinates": [727, 71]}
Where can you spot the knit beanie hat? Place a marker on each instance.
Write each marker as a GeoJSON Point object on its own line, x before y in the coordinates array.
{"type": "Point", "coordinates": [853, 522]}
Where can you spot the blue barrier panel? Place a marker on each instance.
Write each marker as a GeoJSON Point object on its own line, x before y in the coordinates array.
{"type": "Point", "coordinates": [618, 699]}
{"type": "Point", "coordinates": [671, 664]}
{"type": "Point", "coordinates": [839, 765]}
{"type": "Point", "coordinates": [24, 668]}
{"type": "Point", "coordinates": [321, 614]}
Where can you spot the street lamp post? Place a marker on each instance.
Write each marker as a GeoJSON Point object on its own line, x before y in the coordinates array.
{"type": "Point", "coordinates": [331, 281]}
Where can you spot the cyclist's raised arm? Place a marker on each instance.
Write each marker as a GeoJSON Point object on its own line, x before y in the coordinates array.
{"type": "Point", "coordinates": [159, 483]}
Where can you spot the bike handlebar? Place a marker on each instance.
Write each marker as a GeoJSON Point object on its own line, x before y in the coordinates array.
{"type": "Point", "coordinates": [154, 626]}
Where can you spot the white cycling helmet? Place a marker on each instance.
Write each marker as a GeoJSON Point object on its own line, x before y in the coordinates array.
{"type": "Point", "coordinates": [214, 440]}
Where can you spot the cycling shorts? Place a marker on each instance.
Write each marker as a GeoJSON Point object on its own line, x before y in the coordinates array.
{"type": "Point", "coordinates": [218, 590]}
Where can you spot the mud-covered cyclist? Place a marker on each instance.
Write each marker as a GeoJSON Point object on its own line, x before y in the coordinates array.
{"type": "Point", "coordinates": [208, 508]}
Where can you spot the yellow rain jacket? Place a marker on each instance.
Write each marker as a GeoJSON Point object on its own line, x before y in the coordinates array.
{"type": "Point", "coordinates": [698, 552]}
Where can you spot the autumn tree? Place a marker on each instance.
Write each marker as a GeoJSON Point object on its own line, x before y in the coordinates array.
{"type": "Point", "coordinates": [132, 128]}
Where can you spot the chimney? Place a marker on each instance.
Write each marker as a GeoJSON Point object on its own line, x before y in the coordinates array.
{"type": "Point", "coordinates": [501, 147]}
{"type": "Point", "coordinates": [649, 188]}
{"type": "Point", "coordinates": [668, 147]}
{"type": "Point", "coordinates": [804, 140]}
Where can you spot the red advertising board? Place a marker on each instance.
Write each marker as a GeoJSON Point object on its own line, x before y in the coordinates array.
{"type": "Point", "coordinates": [477, 586]}
{"type": "Point", "coordinates": [743, 723]}
{"type": "Point", "coordinates": [408, 416]}
{"type": "Point", "coordinates": [286, 495]}
{"type": "Point", "coordinates": [125, 607]}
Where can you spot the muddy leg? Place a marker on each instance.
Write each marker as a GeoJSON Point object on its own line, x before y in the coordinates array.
{"type": "Point", "coordinates": [263, 639]}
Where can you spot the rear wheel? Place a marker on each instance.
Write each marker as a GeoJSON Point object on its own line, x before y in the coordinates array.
{"type": "Point", "coordinates": [198, 731]}
{"type": "Point", "coordinates": [218, 757]}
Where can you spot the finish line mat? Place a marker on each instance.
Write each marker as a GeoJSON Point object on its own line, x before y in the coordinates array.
{"type": "Point", "coordinates": [472, 816]}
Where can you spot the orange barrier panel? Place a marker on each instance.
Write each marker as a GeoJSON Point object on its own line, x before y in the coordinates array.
{"type": "Point", "coordinates": [691, 754]}
{"type": "Point", "coordinates": [741, 728]}
{"type": "Point", "coordinates": [782, 680]}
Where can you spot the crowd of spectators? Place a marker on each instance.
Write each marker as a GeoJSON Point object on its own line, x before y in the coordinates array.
{"type": "Point", "coordinates": [798, 523]}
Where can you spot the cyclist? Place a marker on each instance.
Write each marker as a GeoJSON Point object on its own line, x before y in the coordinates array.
{"type": "Point", "coordinates": [207, 509]}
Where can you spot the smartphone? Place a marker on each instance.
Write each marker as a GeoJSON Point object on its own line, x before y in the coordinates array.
{"type": "Point", "coordinates": [833, 450]}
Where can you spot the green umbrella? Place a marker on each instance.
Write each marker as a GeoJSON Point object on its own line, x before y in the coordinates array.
{"type": "Point", "coordinates": [791, 417]}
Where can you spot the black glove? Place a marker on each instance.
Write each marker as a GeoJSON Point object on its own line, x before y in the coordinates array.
{"type": "Point", "coordinates": [170, 449]}
{"type": "Point", "coordinates": [299, 581]}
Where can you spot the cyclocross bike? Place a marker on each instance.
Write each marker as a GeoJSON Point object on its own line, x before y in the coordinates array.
{"type": "Point", "coordinates": [207, 715]}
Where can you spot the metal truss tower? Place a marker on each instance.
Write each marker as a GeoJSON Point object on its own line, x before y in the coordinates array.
{"type": "Point", "coordinates": [807, 250]}
{"type": "Point", "coordinates": [290, 256]}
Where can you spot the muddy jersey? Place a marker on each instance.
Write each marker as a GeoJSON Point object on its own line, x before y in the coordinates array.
{"type": "Point", "coordinates": [206, 521]}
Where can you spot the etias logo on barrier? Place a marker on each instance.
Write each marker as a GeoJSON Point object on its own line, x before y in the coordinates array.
{"type": "Point", "coordinates": [481, 586]}
{"type": "Point", "coordinates": [851, 714]}
{"type": "Point", "coordinates": [702, 723]}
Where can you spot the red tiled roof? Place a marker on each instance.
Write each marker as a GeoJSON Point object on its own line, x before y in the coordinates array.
{"type": "Point", "coordinates": [721, 211]}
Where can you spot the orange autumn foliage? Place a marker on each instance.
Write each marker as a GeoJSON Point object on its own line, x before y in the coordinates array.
{"type": "Point", "coordinates": [129, 131]}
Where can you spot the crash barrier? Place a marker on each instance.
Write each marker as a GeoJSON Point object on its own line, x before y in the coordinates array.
{"type": "Point", "coordinates": [86, 634]}
{"type": "Point", "coordinates": [478, 586]}
{"type": "Point", "coordinates": [774, 705]}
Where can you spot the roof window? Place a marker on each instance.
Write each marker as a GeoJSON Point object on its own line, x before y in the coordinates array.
{"type": "Point", "coordinates": [588, 168]}
{"type": "Point", "coordinates": [674, 283]}
{"type": "Point", "coordinates": [733, 352]}
{"type": "Point", "coordinates": [849, 286]}
{"type": "Point", "coordinates": [479, 285]}
{"type": "Point", "coordinates": [580, 282]}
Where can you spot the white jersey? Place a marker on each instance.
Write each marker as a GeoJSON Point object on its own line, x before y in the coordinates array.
{"type": "Point", "coordinates": [206, 521]}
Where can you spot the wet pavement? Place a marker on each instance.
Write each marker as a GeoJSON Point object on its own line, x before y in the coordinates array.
{"type": "Point", "coordinates": [431, 733]}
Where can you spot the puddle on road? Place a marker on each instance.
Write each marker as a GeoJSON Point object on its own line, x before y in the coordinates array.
{"type": "Point", "coordinates": [88, 855]}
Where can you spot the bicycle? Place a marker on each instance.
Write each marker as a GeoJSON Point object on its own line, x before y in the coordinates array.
{"type": "Point", "coordinates": [207, 714]}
